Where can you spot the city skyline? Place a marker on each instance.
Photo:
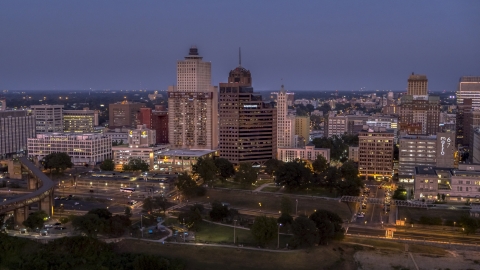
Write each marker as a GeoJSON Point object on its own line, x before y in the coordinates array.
{"type": "Point", "coordinates": [307, 46]}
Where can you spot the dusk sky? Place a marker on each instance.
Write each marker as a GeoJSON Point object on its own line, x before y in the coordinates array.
{"type": "Point", "coordinates": [306, 45]}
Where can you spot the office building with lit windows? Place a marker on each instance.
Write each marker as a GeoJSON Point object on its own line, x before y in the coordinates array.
{"type": "Point", "coordinates": [86, 148]}
{"type": "Point", "coordinates": [376, 153]}
{"type": "Point", "coordinates": [469, 88]}
{"type": "Point", "coordinates": [48, 118]}
{"type": "Point", "coordinates": [80, 121]}
{"type": "Point", "coordinates": [15, 128]}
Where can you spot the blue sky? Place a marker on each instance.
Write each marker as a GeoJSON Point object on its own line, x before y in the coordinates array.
{"type": "Point", "coordinates": [306, 45]}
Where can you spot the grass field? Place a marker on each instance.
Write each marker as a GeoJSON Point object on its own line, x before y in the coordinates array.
{"type": "Point", "coordinates": [271, 203]}
{"type": "Point", "coordinates": [415, 213]}
{"type": "Point", "coordinates": [333, 256]}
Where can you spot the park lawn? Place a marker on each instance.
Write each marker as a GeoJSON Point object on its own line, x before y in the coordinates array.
{"type": "Point", "coordinates": [214, 233]}
{"type": "Point", "coordinates": [232, 185]}
{"type": "Point", "coordinates": [333, 256]}
{"type": "Point", "coordinates": [271, 202]}
{"type": "Point", "coordinates": [415, 213]}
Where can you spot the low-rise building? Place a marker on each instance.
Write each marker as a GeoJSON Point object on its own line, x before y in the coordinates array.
{"type": "Point", "coordinates": [307, 153]}
{"type": "Point", "coordinates": [83, 149]}
{"type": "Point", "coordinates": [180, 160]}
{"type": "Point", "coordinates": [353, 152]}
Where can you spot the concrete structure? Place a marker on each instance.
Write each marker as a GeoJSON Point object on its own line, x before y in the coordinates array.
{"type": "Point", "coordinates": [124, 114]}
{"type": "Point", "coordinates": [48, 118]}
{"type": "Point", "coordinates": [353, 152]}
{"type": "Point", "coordinates": [285, 122]}
{"type": "Point", "coordinates": [80, 121]}
{"type": "Point", "coordinates": [118, 135]}
{"type": "Point", "coordinates": [247, 124]}
{"type": "Point", "coordinates": [307, 153]}
{"type": "Point", "coordinates": [86, 148]}
{"type": "Point", "coordinates": [193, 105]}
{"type": "Point", "coordinates": [149, 154]}
{"type": "Point", "coordinates": [417, 85]}
{"type": "Point", "coordinates": [3, 104]}
{"type": "Point", "coordinates": [463, 123]}
{"type": "Point", "coordinates": [179, 161]}
{"type": "Point", "coordinates": [336, 125]}
{"type": "Point", "coordinates": [386, 121]}
{"type": "Point", "coordinates": [15, 128]}
{"type": "Point", "coordinates": [431, 181]}
{"type": "Point", "coordinates": [42, 194]}
{"type": "Point", "coordinates": [420, 114]}
{"type": "Point", "coordinates": [302, 128]}
{"type": "Point", "coordinates": [469, 88]}
{"type": "Point", "coordinates": [141, 137]}
{"type": "Point", "coordinates": [475, 147]}
{"type": "Point", "coordinates": [376, 153]}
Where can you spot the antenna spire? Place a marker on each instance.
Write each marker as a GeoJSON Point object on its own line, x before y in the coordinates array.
{"type": "Point", "coordinates": [239, 56]}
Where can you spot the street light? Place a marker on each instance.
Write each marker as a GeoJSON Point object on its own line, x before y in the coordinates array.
{"type": "Point", "coordinates": [234, 226]}
{"type": "Point", "coordinates": [296, 207]}
{"type": "Point", "coordinates": [278, 236]}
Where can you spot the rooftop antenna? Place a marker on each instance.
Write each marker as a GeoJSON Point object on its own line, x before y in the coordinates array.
{"type": "Point", "coordinates": [239, 56]}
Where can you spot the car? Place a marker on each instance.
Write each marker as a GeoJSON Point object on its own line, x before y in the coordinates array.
{"type": "Point", "coordinates": [60, 228]}
{"type": "Point", "coordinates": [361, 215]}
{"type": "Point", "coordinates": [57, 198]}
{"type": "Point", "coordinates": [48, 226]}
{"type": "Point", "coordinates": [57, 224]}
{"type": "Point", "coordinates": [76, 203]}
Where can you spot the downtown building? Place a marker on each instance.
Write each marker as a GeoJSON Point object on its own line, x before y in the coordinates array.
{"type": "Point", "coordinates": [124, 114]}
{"type": "Point", "coordinates": [469, 88]}
{"type": "Point", "coordinates": [193, 105]}
{"type": "Point", "coordinates": [80, 121]}
{"type": "Point", "coordinates": [48, 118]}
{"type": "Point", "coordinates": [86, 148]}
{"type": "Point", "coordinates": [15, 128]}
{"type": "Point", "coordinates": [375, 153]}
{"type": "Point", "coordinates": [285, 121]}
{"type": "Point", "coordinates": [247, 124]}
{"type": "Point", "coordinates": [156, 119]}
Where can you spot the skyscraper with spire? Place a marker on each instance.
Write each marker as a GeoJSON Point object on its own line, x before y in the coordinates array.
{"type": "Point", "coordinates": [193, 105]}
{"type": "Point", "coordinates": [247, 124]}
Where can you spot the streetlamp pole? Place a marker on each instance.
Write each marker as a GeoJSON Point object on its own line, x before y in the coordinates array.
{"type": "Point", "coordinates": [141, 223]}
{"type": "Point", "coordinates": [234, 227]}
{"type": "Point", "coordinates": [296, 208]}
{"type": "Point", "coordinates": [278, 235]}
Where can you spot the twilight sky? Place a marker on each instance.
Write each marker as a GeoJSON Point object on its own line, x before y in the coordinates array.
{"type": "Point", "coordinates": [311, 45]}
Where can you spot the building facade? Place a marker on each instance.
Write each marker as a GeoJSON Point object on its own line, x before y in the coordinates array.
{"type": "Point", "coordinates": [83, 149]}
{"type": "Point", "coordinates": [353, 152]}
{"type": "Point", "coordinates": [417, 85]}
{"type": "Point", "coordinates": [420, 114]}
{"type": "Point", "coordinates": [48, 118]}
{"type": "Point", "coordinates": [302, 128]}
{"type": "Point", "coordinates": [336, 125]}
{"type": "Point", "coordinates": [15, 128]}
{"type": "Point", "coordinates": [157, 120]}
{"type": "Point", "coordinates": [469, 88]}
{"type": "Point", "coordinates": [463, 123]}
{"type": "Point", "coordinates": [193, 105]}
{"type": "Point", "coordinates": [247, 125]}
{"type": "Point", "coordinates": [376, 153]}
{"type": "Point", "coordinates": [80, 121]}
{"type": "Point", "coordinates": [124, 114]}
{"type": "Point", "coordinates": [285, 122]}
{"type": "Point", "coordinates": [309, 152]}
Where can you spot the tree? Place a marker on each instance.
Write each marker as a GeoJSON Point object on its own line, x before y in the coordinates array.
{"type": "Point", "coordinates": [57, 161]}
{"type": "Point", "coordinates": [246, 174]}
{"type": "Point", "coordinates": [305, 232]}
{"type": "Point", "coordinates": [187, 186]}
{"type": "Point", "coordinates": [264, 229]}
{"type": "Point", "coordinates": [293, 175]}
{"type": "Point", "coordinates": [219, 211]}
{"type": "Point", "coordinates": [136, 164]}
{"type": "Point", "coordinates": [107, 165]}
{"type": "Point", "coordinates": [205, 168]}
{"type": "Point", "coordinates": [272, 165]}
{"type": "Point", "coordinates": [286, 205]}
{"type": "Point", "coordinates": [148, 205]}
{"type": "Point", "coordinates": [319, 164]}
{"type": "Point", "coordinates": [90, 224]}
{"type": "Point", "coordinates": [349, 170]}
{"type": "Point", "coordinates": [101, 213]}
{"type": "Point", "coordinates": [329, 225]}
{"type": "Point", "coordinates": [128, 211]}
{"type": "Point", "coordinates": [470, 225]}
{"type": "Point", "coordinates": [191, 218]}
{"type": "Point", "coordinates": [150, 262]}
{"type": "Point", "coordinates": [161, 203]}
{"type": "Point", "coordinates": [285, 219]}
{"type": "Point", "coordinates": [35, 220]}
{"type": "Point", "coordinates": [400, 194]}
{"type": "Point", "coordinates": [331, 177]}
{"type": "Point", "coordinates": [225, 168]}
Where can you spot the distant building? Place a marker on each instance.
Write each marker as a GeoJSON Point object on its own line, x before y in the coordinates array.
{"type": "Point", "coordinates": [307, 153]}
{"type": "Point", "coordinates": [469, 88]}
{"type": "Point", "coordinates": [15, 128]}
{"type": "Point", "coordinates": [82, 148]}
{"type": "Point", "coordinates": [353, 152]}
{"type": "Point", "coordinates": [193, 105]}
{"type": "Point", "coordinates": [336, 125]}
{"type": "Point", "coordinates": [48, 118]}
{"type": "Point", "coordinates": [376, 153]}
{"type": "Point", "coordinates": [464, 123]}
{"type": "Point", "coordinates": [124, 114]}
{"type": "Point", "coordinates": [431, 181]}
{"type": "Point", "coordinates": [417, 85]}
{"type": "Point", "coordinates": [302, 128]}
{"type": "Point", "coordinates": [420, 115]}
{"type": "Point", "coordinates": [285, 122]}
{"type": "Point", "coordinates": [141, 137]}
{"type": "Point", "coordinates": [118, 135]}
{"type": "Point", "coordinates": [179, 161]}
{"type": "Point", "coordinates": [149, 154]}
{"type": "Point", "coordinates": [80, 121]}
{"type": "Point", "coordinates": [3, 104]}
{"type": "Point", "coordinates": [157, 120]}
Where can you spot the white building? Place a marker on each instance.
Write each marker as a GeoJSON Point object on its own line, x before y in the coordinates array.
{"type": "Point", "coordinates": [193, 105]}
{"type": "Point", "coordinates": [80, 121]}
{"type": "Point", "coordinates": [353, 152]}
{"type": "Point", "coordinates": [48, 118]}
{"type": "Point", "coordinates": [307, 153]}
{"type": "Point", "coordinates": [82, 148]}
{"type": "Point", "coordinates": [336, 125]}
{"type": "Point", "coordinates": [285, 122]}
{"type": "Point", "coordinates": [118, 135]}
{"type": "Point", "coordinates": [469, 87]}
{"type": "Point", "coordinates": [142, 136]}
{"type": "Point", "coordinates": [15, 128]}
{"type": "Point", "coordinates": [123, 154]}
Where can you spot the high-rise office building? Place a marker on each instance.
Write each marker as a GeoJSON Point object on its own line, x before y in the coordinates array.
{"type": "Point", "coordinates": [124, 114]}
{"type": "Point", "coordinates": [420, 115]}
{"type": "Point", "coordinates": [3, 104]}
{"type": "Point", "coordinates": [417, 85]}
{"type": "Point", "coordinates": [469, 87]}
{"type": "Point", "coordinates": [15, 128]}
{"type": "Point", "coordinates": [302, 128]}
{"type": "Point", "coordinates": [375, 153]}
{"type": "Point", "coordinates": [247, 124]}
{"type": "Point", "coordinates": [193, 105]}
{"type": "Point", "coordinates": [463, 123]}
{"type": "Point", "coordinates": [48, 118]}
{"type": "Point", "coordinates": [285, 122]}
{"type": "Point", "coordinates": [80, 121]}
{"type": "Point", "coordinates": [157, 120]}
